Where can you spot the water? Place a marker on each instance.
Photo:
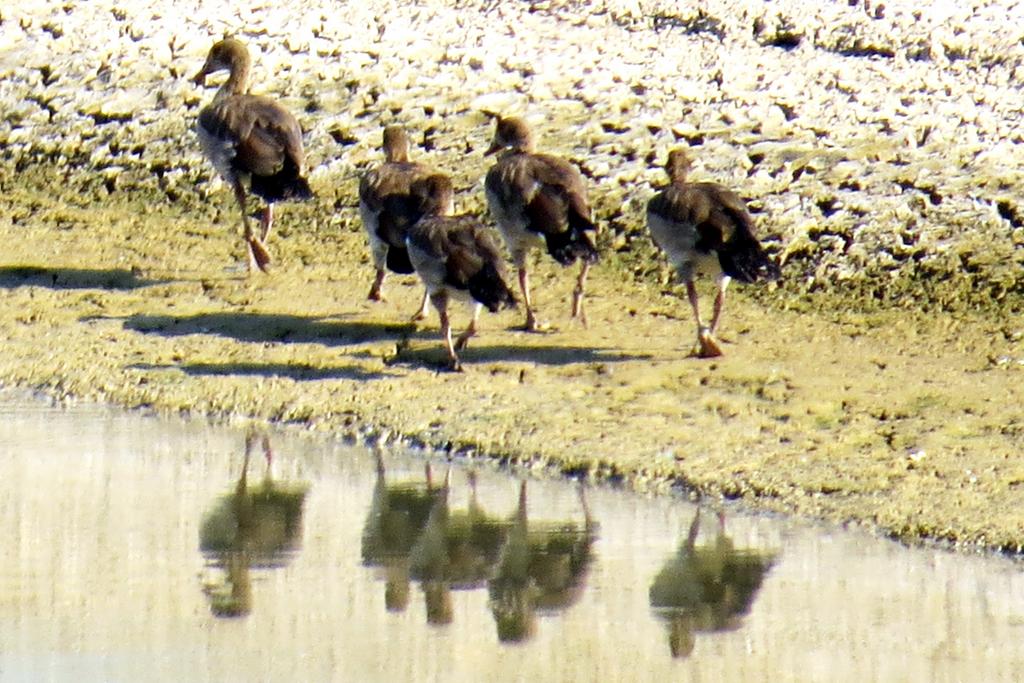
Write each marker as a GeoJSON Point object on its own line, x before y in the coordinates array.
{"type": "Point", "coordinates": [133, 552]}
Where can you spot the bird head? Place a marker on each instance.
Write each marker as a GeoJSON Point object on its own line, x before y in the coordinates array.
{"type": "Point", "coordinates": [225, 55]}
{"type": "Point", "coordinates": [396, 144]}
{"type": "Point", "coordinates": [513, 133]}
{"type": "Point", "coordinates": [678, 164]}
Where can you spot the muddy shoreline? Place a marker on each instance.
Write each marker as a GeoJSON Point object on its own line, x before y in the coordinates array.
{"type": "Point", "coordinates": [878, 385]}
{"type": "Point", "coordinates": [903, 422]}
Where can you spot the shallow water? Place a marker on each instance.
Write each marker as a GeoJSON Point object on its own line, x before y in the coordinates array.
{"type": "Point", "coordinates": [133, 552]}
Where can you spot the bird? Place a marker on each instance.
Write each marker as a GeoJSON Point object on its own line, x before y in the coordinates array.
{"type": "Point", "coordinates": [539, 200]}
{"type": "Point", "coordinates": [542, 569]}
{"type": "Point", "coordinates": [250, 137]}
{"type": "Point", "coordinates": [387, 210]}
{"type": "Point", "coordinates": [455, 257]}
{"type": "Point", "coordinates": [459, 547]}
{"type": "Point", "coordinates": [398, 514]}
{"type": "Point", "coordinates": [707, 588]}
{"type": "Point", "coordinates": [253, 527]}
{"type": "Point", "coordinates": [705, 228]}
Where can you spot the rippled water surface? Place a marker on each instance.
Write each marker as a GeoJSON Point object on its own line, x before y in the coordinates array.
{"type": "Point", "coordinates": [136, 550]}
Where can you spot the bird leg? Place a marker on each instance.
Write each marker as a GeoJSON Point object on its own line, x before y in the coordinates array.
{"type": "Point", "coordinates": [440, 302]}
{"type": "Point", "coordinates": [723, 283]}
{"type": "Point", "coordinates": [250, 442]}
{"type": "Point", "coordinates": [258, 247]}
{"type": "Point", "coordinates": [258, 255]}
{"type": "Point", "coordinates": [463, 338]}
{"type": "Point", "coordinates": [532, 325]}
{"type": "Point", "coordinates": [267, 222]}
{"type": "Point", "coordinates": [577, 294]}
{"type": "Point", "coordinates": [521, 512]}
{"type": "Point", "coordinates": [268, 454]}
{"type": "Point", "coordinates": [691, 536]}
{"type": "Point", "coordinates": [378, 282]}
{"type": "Point", "coordinates": [707, 347]}
{"type": "Point", "coordinates": [421, 314]}
{"type": "Point", "coordinates": [588, 519]}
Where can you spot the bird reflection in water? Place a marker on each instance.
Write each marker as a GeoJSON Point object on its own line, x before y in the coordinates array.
{"type": "Point", "coordinates": [398, 514]}
{"type": "Point", "coordinates": [542, 568]}
{"type": "Point", "coordinates": [413, 533]}
{"type": "Point", "coordinates": [457, 550]}
{"type": "Point", "coordinates": [707, 588]}
{"type": "Point", "coordinates": [256, 526]}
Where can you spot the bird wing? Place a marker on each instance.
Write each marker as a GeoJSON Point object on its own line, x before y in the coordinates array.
{"type": "Point", "coordinates": [390, 178]}
{"type": "Point", "coordinates": [385, 190]}
{"type": "Point", "coordinates": [461, 243]}
{"type": "Point", "coordinates": [715, 213]}
{"type": "Point", "coordinates": [543, 188]}
{"type": "Point", "coordinates": [466, 249]}
{"type": "Point", "coordinates": [728, 218]}
{"type": "Point", "coordinates": [398, 213]}
{"type": "Point", "coordinates": [722, 225]}
{"type": "Point", "coordinates": [561, 178]}
{"type": "Point", "coordinates": [264, 133]}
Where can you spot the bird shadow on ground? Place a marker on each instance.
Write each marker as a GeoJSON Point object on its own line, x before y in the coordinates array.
{"type": "Point", "coordinates": [496, 353]}
{"type": "Point", "coordinates": [267, 327]}
{"type": "Point", "coordinates": [12, 277]}
{"type": "Point", "coordinates": [299, 372]}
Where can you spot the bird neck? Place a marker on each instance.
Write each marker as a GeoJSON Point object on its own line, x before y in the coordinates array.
{"type": "Point", "coordinates": [677, 176]}
{"type": "Point", "coordinates": [397, 155]}
{"type": "Point", "coordinates": [524, 146]}
{"type": "Point", "coordinates": [238, 79]}
{"type": "Point", "coordinates": [678, 170]}
{"type": "Point", "coordinates": [439, 206]}
{"type": "Point", "coordinates": [514, 151]}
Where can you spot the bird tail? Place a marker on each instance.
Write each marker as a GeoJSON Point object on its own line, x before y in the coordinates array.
{"type": "Point", "coordinates": [744, 259]}
{"type": "Point", "coordinates": [575, 243]}
{"type": "Point", "coordinates": [287, 183]}
{"type": "Point", "coordinates": [398, 261]}
{"type": "Point", "coordinates": [297, 188]}
{"type": "Point", "coordinates": [488, 287]}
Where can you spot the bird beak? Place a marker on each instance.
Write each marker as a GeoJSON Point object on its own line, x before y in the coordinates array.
{"type": "Point", "coordinates": [209, 66]}
{"type": "Point", "coordinates": [495, 147]}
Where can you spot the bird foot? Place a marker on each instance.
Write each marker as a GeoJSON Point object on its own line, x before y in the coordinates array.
{"type": "Point", "coordinates": [418, 316]}
{"type": "Point", "coordinates": [534, 325]}
{"type": "Point", "coordinates": [707, 345]}
{"type": "Point", "coordinates": [581, 316]}
{"type": "Point", "coordinates": [258, 255]}
{"type": "Point", "coordinates": [375, 295]}
{"type": "Point", "coordinates": [454, 365]}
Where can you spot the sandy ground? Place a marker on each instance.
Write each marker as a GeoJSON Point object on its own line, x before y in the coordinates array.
{"type": "Point", "coordinates": [879, 384]}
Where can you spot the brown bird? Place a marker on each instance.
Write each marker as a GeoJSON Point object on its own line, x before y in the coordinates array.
{"type": "Point", "coordinates": [707, 588]}
{"type": "Point", "coordinates": [542, 569]}
{"type": "Point", "coordinates": [388, 209]}
{"type": "Point", "coordinates": [250, 136]}
{"type": "Point", "coordinates": [255, 527]}
{"type": "Point", "coordinates": [539, 199]}
{"type": "Point", "coordinates": [455, 257]}
{"type": "Point", "coordinates": [706, 228]}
